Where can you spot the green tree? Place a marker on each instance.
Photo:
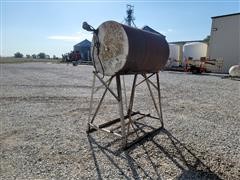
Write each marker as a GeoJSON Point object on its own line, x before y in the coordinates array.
{"type": "Point", "coordinates": [28, 56]}
{"type": "Point", "coordinates": [18, 55]}
{"type": "Point", "coordinates": [41, 55]}
{"type": "Point", "coordinates": [34, 56]}
{"type": "Point", "coordinates": [55, 57]}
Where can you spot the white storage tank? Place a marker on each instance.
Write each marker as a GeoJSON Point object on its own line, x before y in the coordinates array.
{"type": "Point", "coordinates": [174, 51]}
{"type": "Point", "coordinates": [234, 71]}
{"type": "Point", "coordinates": [196, 50]}
{"type": "Point", "coordinates": [174, 54]}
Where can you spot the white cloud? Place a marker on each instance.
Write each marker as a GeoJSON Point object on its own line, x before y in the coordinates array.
{"type": "Point", "coordinates": [76, 37]}
{"type": "Point", "coordinates": [65, 38]}
{"type": "Point", "coordinates": [162, 32]}
{"type": "Point", "coordinates": [166, 31]}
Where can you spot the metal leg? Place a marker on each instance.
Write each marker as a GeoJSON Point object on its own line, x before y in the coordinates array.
{"type": "Point", "coordinates": [151, 93]}
{"type": "Point", "coordinates": [119, 97]}
{"type": "Point", "coordinates": [91, 101]}
{"type": "Point", "coordinates": [159, 99]}
{"type": "Point", "coordinates": [107, 86]}
{"type": "Point", "coordinates": [132, 94]}
{"type": "Point", "coordinates": [125, 92]}
{"type": "Point", "coordinates": [99, 104]}
{"type": "Point", "coordinates": [145, 80]}
{"type": "Point", "coordinates": [129, 112]}
{"type": "Point", "coordinates": [120, 104]}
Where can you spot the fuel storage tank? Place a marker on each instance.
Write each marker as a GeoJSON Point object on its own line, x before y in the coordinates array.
{"type": "Point", "coordinates": [174, 55]}
{"type": "Point", "coordinates": [234, 71]}
{"type": "Point", "coordinates": [196, 50]}
{"type": "Point", "coordinates": [117, 48]}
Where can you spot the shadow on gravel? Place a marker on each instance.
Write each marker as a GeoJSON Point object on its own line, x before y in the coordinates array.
{"type": "Point", "coordinates": [108, 153]}
{"type": "Point", "coordinates": [194, 167]}
{"type": "Point", "coordinates": [166, 145]}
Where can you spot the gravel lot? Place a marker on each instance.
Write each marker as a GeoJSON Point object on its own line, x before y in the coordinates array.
{"type": "Point", "coordinates": [44, 110]}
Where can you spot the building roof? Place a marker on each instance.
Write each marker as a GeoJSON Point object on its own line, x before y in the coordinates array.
{"type": "Point", "coordinates": [234, 14]}
{"type": "Point", "coordinates": [147, 28]}
{"type": "Point", "coordinates": [84, 43]}
{"type": "Point", "coordinates": [183, 42]}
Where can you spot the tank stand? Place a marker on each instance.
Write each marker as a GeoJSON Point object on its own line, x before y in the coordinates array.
{"type": "Point", "coordinates": [125, 120]}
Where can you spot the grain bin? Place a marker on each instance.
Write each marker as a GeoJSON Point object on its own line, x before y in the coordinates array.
{"type": "Point", "coordinates": [174, 55]}
{"type": "Point", "coordinates": [196, 50]}
{"type": "Point", "coordinates": [117, 48]}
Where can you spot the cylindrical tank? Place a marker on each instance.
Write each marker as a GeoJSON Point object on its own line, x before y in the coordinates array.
{"type": "Point", "coordinates": [174, 51]}
{"type": "Point", "coordinates": [174, 55]}
{"type": "Point", "coordinates": [196, 50]}
{"type": "Point", "coordinates": [234, 71]}
{"type": "Point", "coordinates": [127, 50]}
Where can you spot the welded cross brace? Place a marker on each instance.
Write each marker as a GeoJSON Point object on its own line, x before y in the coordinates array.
{"type": "Point", "coordinates": [124, 125]}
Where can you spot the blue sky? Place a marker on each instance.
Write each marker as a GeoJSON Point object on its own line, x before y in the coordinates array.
{"type": "Point", "coordinates": [54, 27]}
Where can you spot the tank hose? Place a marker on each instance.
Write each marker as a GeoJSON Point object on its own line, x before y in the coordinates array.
{"type": "Point", "coordinates": [97, 45]}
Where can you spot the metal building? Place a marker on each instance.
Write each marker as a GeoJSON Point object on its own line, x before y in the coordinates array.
{"type": "Point", "coordinates": [84, 48]}
{"type": "Point", "coordinates": [147, 28]}
{"type": "Point", "coordinates": [225, 40]}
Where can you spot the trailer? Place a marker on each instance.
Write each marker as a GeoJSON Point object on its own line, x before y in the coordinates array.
{"type": "Point", "coordinates": [203, 65]}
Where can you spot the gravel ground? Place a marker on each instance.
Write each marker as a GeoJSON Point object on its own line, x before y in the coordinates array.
{"type": "Point", "coordinates": [44, 110]}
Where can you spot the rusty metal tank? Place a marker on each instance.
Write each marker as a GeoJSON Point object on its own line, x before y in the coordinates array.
{"type": "Point", "coordinates": [121, 49]}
